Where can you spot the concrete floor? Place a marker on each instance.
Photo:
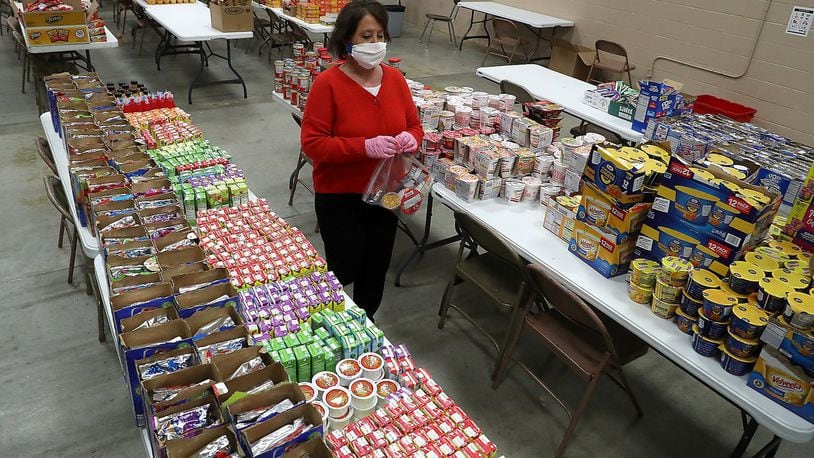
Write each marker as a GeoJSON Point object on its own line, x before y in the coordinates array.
{"type": "Point", "coordinates": [62, 390]}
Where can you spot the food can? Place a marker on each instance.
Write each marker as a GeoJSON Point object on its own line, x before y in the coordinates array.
{"type": "Point", "coordinates": [797, 265]}
{"type": "Point", "coordinates": [666, 293]}
{"type": "Point", "coordinates": [748, 321]}
{"type": "Point", "coordinates": [309, 390]}
{"type": "Point", "coordinates": [643, 272]}
{"type": "Point", "coordinates": [711, 328]}
{"type": "Point", "coordinates": [744, 277]}
{"type": "Point", "coordinates": [740, 347]}
{"type": "Point", "coordinates": [674, 271]}
{"type": "Point", "coordinates": [689, 305]}
{"type": "Point", "coordinates": [771, 295]}
{"type": "Point", "coordinates": [799, 311]}
{"type": "Point", "coordinates": [736, 365]}
{"type": "Point", "coordinates": [794, 279]}
{"type": "Point", "coordinates": [662, 309]}
{"type": "Point", "coordinates": [384, 388]}
{"type": "Point", "coordinates": [773, 253]}
{"type": "Point", "coordinates": [763, 262]}
{"type": "Point", "coordinates": [699, 281]}
{"type": "Point", "coordinates": [323, 381]}
{"type": "Point", "coordinates": [348, 371]}
{"type": "Point", "coordinates": [684, 322]}
{"type": "Point", "coordinates": [704, 345]}
{"type": "Point", "coordinates": [639, 294]}
{"type": "Point", "coordinates": [787, 247]}
{"type": "Point", "coordinates": [372, 366]}
{"type": "Point", "coordinates": [742, 298]}
{"type": "Point", "coordinates": [718, 304]}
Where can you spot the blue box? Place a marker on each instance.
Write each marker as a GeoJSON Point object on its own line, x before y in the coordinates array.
{"type": "Point", "coordinates": [152, 297]}
{"type": "Point", "coordinates": [194, 301]}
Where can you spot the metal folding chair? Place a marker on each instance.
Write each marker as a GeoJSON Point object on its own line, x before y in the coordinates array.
{"type": "Point", "coordinates": [448, 19]}
{"type": "Point", "coordinates": [506, 34]}
{"type": "Point", "coordinates": [589, 344]}
{"type": "Point", "coordinates": [611, 57]}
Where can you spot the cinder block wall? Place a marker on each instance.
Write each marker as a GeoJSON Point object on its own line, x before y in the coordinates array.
{"type": "Point", "coordinates": [714, 33]}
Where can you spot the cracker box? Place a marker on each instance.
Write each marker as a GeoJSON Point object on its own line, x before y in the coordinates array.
{"type": "Point", "coordinates": [601, 250]}
{"type": "Point", "coordinates": [599, 209]}
{"type": "Point", "coordinates": [77, 16]}
{"type": "Point", "coordinates": [614, 175]}
{"type": "Point", "coordinates": [71, 34]}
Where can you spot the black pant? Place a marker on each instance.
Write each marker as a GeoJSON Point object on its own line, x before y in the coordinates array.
{"type": "Point", "coordinates": [358, 241]}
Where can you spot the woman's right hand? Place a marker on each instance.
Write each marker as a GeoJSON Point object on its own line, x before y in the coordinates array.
{"type": "Point", "coordinates": [381, 147]}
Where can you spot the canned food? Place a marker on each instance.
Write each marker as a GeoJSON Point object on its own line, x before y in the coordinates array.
{"type": "Point", "coordinates": [786, 247]}
{"type": "Point", "coordinates": [643, 272]}
{"type": "Point", "coordinates": [797, 265]}
{"type": "Point", "coordinates": [773, 253]}
{"type": "Point", "coordinates": [771, 295]}
{"type": "Point", "coordinates": [744, 277]}
{"type": "Point", "coordinates": [742, 298]}
{"type": "Point", "coordinates": [690, 306]}
{"type": "Point", "coordinates": [639, 294]}
{"type": "Point", "coordinates": [736, 365]}
{"type": "Point", "coordinates": [704, 345]}
{"type": "Point", "coordinates": [795, 280]}
{"type": "Point", "coordinates": [667, 293]}
{"type": "Point", "coordinates": [763, 262]}
{"type": "Point", "coordinates": [709, 327]}
{"type": "Point", "coordinates": [675, 271]}
{"type": "Point", "coordinates": [748, 321]}
{"type": "Point", "coordinates": [740, 347]}
{"type": "Point", "coordinates": [663, 309]}
{"type": "Point", "coordinates": [799, 310]}
{"type": "Point", "coordinates": [701, 280]}
{"type": "Point", "coordinates": [718, 304]}
{"type": "Point", "coordinates": [684, 322]}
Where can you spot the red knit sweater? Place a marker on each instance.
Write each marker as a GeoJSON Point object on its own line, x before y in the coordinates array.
{"type": "Point", "coordinates": [340, 114]}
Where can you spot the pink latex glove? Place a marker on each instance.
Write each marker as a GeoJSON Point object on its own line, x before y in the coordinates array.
{"type": "Point", "coordinates": [381, 147]}
{"type": "Point", "coordinates": [407, 142]}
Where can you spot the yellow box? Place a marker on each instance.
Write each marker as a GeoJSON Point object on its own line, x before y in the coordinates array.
{"type": "Point", "coordinates": [56, 18]}
{"type": "Point", "coordinates": [599, 249]}
{"type": "Point", "coordinates": [39, 36]}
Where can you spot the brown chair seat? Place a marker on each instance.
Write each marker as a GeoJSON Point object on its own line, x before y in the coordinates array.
{"type": "Point", "coordinates": [502, 284]}
{"type": "Point", "coordinates": [438, 17]}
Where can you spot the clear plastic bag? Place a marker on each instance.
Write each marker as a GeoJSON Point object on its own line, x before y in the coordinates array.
{"type": "Point", "coordinates": [399, 184]}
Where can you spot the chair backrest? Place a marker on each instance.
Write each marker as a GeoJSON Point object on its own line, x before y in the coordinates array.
{"type": "Point", "coordinates": [504, 28]}
{"type": "Point", "coordinates": [454, 13]}
{"type": "Point", "coordinates": [487, 239]}
{"type": "Point", "coordinates": [522, 94]}
{"type": "Point", "coordinates": [46, 154]}
{"type": "Point", "coordinates": [53, 188]}
{"type": "Point", "coordinates": [610, 47]}
{"type": "Point", "coordinates": [567, 303]}
{"type": "Point", "coordinates": [299, 33]}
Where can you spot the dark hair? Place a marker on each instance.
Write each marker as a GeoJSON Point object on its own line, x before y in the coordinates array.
{"type": "Point", "coordinates": [348, 22]}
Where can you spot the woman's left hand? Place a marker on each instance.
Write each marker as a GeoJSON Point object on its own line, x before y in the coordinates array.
{"type": "Point", "coordinates": [407, 142]}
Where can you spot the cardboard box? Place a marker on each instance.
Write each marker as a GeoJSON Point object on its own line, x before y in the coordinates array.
{"type": "Point", "coordinates": [312, 448]}
{"type": "Point", "coordinates": [188, 448]}
{"type": "Point", "coordinates": [220, 295]}
{"type": "Point", "coordinates": [599, 209]}
{"type": "Point", "coordinates": [231, 15]}
{"type": "Point", "coordinates": [214, 419]}
{"type": "Point", "coordinates": [152, 297]}
{"type": "Point", "coordinates": [193, 281]}
{"type": "Point", "coordinates": [560, 221]}
{"type": "Point", "coordinates": [175, 258]}
{"type": "Point", "coordinates": [222, 336]}
{"type": "Point", "coordinates": [614, 176]}
{"type": "Point", "coordinates": [254, 433]}
{"type": "Point", "coordinates": [170, 273]}
{"type": "Point", "coordinates": [237, 388]}
{"type": "Point", "coordinates": [601, 250]}
{"type": "Point", "coordinates": [107, 223]}
{"type": "Point", "coordinates": [175, 240]}
{"type": "Point", "coordinates": [206, 316]}
{"type": "Point", "coordinates": [140, 344]}
{"type": "Point", "coordinates": [55, 18]}
{"type": "Point", "coordinates": [269, 398]}
{"type": "Point", "coordinates": [229, 363]}
{"type": "Point", "coordinates": [140, 318]}
{"type": "Point", "coordinates": [570, 59]}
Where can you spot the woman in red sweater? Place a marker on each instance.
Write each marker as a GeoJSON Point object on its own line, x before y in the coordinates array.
{"type": "Point", "coordinates": [357, 114]}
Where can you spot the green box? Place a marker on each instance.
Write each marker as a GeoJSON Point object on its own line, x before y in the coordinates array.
{"type": "Point", "coordinates": [329, 358]}
{"type": "Point", "coordinates": [364, 342]}
{"type": "Point", "coordinates": [341, 330]}
{"type": "Point", "coordinates": [318, 321]}
{"type": "Point", "coordinates": [317, 358]}
{"type": "Point", "coordinates": [303, 337]}
{"type": "Point", "coordinates": [289, 361]}
{"type": "Point", "coordinates": [358, 315]}
{"type": "Point", "coordinates": [303, 363]}
{"type": "Point", "coordinates": [623, 109]}
{"type": "Point", "coordinates": [350, 346]}
{"type": "Point", "coordinates": [306, 327]}
{"type": "Point", "coordinates": [376, 338]}
{"type": "Point", "coordinates": [322, 334]}
{"type": "Point", "coordinates": [355, 327]}
{"type": "Point", "coordinates": [291, 341]}
{"type": "Point", "coordinates": [277, 343]}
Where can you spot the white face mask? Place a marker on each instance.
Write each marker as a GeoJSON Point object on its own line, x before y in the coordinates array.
{"type": "Point", "coordinates": [369, 55]}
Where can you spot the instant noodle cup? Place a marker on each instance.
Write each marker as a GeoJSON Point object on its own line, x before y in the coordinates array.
{"type": "Point", "coordinates": [340, 422]}
{"type": "Point", "coordinates": [674, 271]}
{"type": "Point", "coordinates": [764, 263]}
{"type": "Point", "coordinates": [666, 293]}
{"type": "Point", "coordinates": [643, 272]}
{"type": "Point", "coordinates": [722, 215]}
{"type": "Point", "coordinates": [639, 294]}
{"type": "Point", "coordinates": [587, 244]}
{"type": "Point", "coordinates": [689, 305]}
{"type": "Point", "coordinates": [338, 400]}
{"type": "Point", "coordinates": [699, 281]}
{"type": "Point", "coordinates": [661, 309]}
{"type": "Point", "coordinates": [742, 298]}
{"type": "Point", "coordinates": [531, 193]}
{"type": "Point", "coordinates": [771, 295]}
{"type": "Point", "coordinates": [323, 381]}
{"type": "Point", "coordinates": [710, 328]}
{"type": "Point", "coordinates": [466, 186]}
{"type": "Point", "coordinates": [513, 191]}
{"type": "Point", "coordinates": [675, 243]}
{"type": "Point", "coordinates": [702, 257]}
{"type": "Point", "coordinates": [737, 365]}
{"type": "Point", "coordinates": [720, 159]}
{"type": "Point", "coordinates": [372, 365]}
{"type": "Point", "coordinates": [363, 394]}
{"type": "Point", "coordinates": [384, 388]}
{"type": "Point", "coordinates": [684, 322]}
{"type": "Point", "coordinates": [558, 170]}
{"type": "Point", "coordinates": [799, 311]}
{"type": "Point", "coordinates": [322, 409]}
{"type": "Point", "coordinates": [548, 192]}
{"type": "Point", "coordinates": [309, 390]}
{"type": "Point", "coordinates": [744, 277]}
{"type": "Point", "coordinates": [748, 322]}
{"type": "Point", "coordinates": [348, 370]}
{"type": "Point", "coordinates": [740, 347]}
{"type": "Point", "coordinates": [542, 165]}
{"type": "Point", "coordinates": [694, 206]}
{"type": "Point", "coordinates": [703, 345]}
{"type": "Point", "coordinates": [796, 280]}
{"type": "Point", "coordinates": [718, 305]}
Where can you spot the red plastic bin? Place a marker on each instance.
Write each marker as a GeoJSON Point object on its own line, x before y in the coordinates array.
{"type": "Point", "coordinates": [708, 104]}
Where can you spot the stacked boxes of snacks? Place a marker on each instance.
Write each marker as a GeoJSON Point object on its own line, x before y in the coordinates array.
{"type": "Point", "coordinates": [782, 163]}
{"type": "Point", "coordinates": [61, 22]}
{"type": "Point", "coordinates": [658, 100]}
{"type": "Point", "coordinates": [616, 98]}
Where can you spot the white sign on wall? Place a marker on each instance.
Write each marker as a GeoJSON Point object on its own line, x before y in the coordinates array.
{"type": "Point", "coordinates": [800, 21]}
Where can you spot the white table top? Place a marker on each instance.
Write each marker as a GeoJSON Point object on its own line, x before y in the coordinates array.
{"type": "Point", "coordinates": [111, 42]}
{"type": "Point", "coordinates": [522, 226]}
{"type": "Point", "coordinates": [90, 244]}
{"type": "Point", "coordinates": [285, 103]}
{"type": "Point", "coordinates": [308, 27]}
{"type": "Point", "coordinates": [561, 89]}
{"type": "Point", "coordinates": [536, 20]}
{"type": "Point", "coordinates": [190, 22]}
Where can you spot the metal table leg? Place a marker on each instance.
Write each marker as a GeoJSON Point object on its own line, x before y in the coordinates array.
{"type": "Point", "coordinates": [87, 60]}
{"type": "Point", "coordinates": [472, 22]}
{"type": "Point", "coordinates": [205, 55]}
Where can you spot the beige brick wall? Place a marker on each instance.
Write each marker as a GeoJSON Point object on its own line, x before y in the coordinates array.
{"type": "Point", "coordinates": [713, 33]}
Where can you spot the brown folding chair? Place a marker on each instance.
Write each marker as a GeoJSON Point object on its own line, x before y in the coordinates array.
{"type": "Point", "coordinates": [499, 272]}
{"type": "Point", "coordinates": [611, 57]}
{"type": "Point", "coordinates": [53, 188]}
{"type": "Point", "coordinates": [47, 157]}
{"type": "Point", "coordinates": [505, 34]}
{"type": "Point", "coordinates": [589, 343]}
{"type": "Point", "coordinates": [449, 20]}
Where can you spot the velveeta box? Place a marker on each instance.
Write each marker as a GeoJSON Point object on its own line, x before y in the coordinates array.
{"type": "Point", "coordinates": [600, 249]}
{"type": "Point", "coordinates": [599, 209]}
{"type": "Point", "coordinates": [775, 377]}
{"type": "Point", "coordinates": [614, 175]}
{"type": "Point", "coordinates": [39, 36]}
